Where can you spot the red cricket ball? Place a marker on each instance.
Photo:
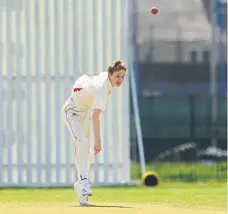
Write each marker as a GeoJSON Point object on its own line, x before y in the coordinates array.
{"type": "Point", "coordinates": [154, 10]}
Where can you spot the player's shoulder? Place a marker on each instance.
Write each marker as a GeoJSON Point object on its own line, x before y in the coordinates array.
{"type": "Point", "coordinates": [100, 80]}
{"type": "Point", "coordinates": [81, 81]}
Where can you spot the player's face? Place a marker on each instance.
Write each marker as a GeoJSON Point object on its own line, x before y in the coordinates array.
{"type": "Point", "coordinates": [117, 78]}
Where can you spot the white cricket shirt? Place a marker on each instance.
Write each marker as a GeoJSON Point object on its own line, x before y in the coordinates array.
{"type": "Point", "coordinates": [93, 94]}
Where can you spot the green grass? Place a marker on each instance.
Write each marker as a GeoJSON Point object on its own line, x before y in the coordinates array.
{"type": "Point", "coordinates": [188, 172]}
{"type": "Point", "coordinates": [191, 195]}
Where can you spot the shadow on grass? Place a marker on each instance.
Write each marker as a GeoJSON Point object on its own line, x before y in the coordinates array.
{"type": "Point", "coordinates": [104, 206]}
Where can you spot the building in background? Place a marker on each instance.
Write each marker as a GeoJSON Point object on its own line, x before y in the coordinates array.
{"type": "Point", "coordinates": [174, 53]}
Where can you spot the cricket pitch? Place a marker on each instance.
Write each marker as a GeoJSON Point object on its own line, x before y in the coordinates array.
{"type": "Point", "coordinates": [101, 208]}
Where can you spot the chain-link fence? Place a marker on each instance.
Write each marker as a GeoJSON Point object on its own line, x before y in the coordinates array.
{"type": "Point", "coordinates": [181, 81]}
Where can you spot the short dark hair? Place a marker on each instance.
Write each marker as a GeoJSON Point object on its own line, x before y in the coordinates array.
{"type": "Point", "coordinates": [117, 65]}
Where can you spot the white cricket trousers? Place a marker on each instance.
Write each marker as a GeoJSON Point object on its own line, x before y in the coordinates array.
{"type": "Point", "coordinates": [79, 129]}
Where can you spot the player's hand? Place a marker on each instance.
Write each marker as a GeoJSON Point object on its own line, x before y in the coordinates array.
{"type": "Point", "coordinates": [97, 148]}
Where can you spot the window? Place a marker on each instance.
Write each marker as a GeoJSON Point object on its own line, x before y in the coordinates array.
{"type": "Point", "coordinates": [193, 56]}
{"type": "Point", "coordinates": [206, 56]}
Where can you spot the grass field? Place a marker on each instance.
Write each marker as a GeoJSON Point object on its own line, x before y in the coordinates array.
{"type": "Point", "coordinates": [190, 172]}
{"type": "Point", "coordinates": [171, 198]}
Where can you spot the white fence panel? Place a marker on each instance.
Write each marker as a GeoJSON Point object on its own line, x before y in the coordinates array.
{"type": "Point", "coordinates": [44, 47]}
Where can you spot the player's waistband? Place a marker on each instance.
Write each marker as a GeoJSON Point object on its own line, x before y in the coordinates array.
{"type": "Point", "coordinates": [69, 108]}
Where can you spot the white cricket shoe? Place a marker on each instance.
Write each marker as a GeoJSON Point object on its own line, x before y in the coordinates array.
{"type": "Point", "coordinates": [85, 187]}
{"type": "Point", "coordinates": [82, 199]}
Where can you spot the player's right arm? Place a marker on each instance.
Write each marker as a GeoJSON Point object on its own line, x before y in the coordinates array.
{"type": "Point", "coordinates": [98, 107]}
{"type": "Point", "coordinates": [96, 130]}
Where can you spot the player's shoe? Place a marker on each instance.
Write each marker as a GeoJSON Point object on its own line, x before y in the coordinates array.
{"type": "Point", "coordinates": [85, 187]}
{"type": "Point", "coordinates": [82, 199]}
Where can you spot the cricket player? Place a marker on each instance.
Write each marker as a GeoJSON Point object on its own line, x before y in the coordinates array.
{"type": "Point", "coordinates": [87, 101]}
